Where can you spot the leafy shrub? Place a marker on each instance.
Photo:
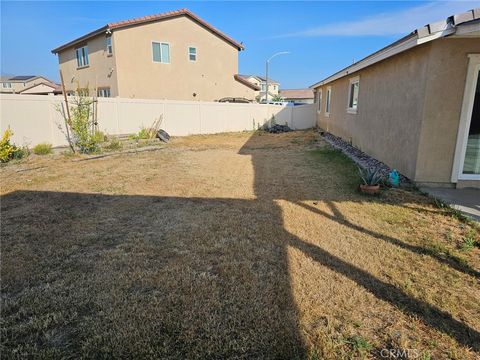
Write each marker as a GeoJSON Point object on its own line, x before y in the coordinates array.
{"type": "Point", "coordinates": [114, 144]}
{"type": "Point", "coordinates": [9, 151]}
{"type": "Point", "coordinates": [42, 149]}
{"type": "Point", "coordinates": [469, 241]}
{"type": "Point", "coordinates": [144, 134]}
{"type": "Point", "coordinates": [99, 136]}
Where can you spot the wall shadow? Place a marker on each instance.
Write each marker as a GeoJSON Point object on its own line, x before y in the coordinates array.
{"type": "Point", "coordinates": [132, 276]}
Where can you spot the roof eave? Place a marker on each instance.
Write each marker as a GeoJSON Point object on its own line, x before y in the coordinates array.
{"type": "Point", "coordinates": [386, 52]}
{"type": "Point", "coordinates": [150, 19]}
{"type": "Point", "coordinates": [427, 33]}
{"type": "Point", "coordinates": [81, 39]}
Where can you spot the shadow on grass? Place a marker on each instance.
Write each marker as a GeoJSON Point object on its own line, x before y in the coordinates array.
{"type": "Point", "coordinates": [339, 218]}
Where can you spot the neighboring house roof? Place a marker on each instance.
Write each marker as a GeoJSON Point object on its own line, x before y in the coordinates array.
{"type": "Point", "coordinates": [56, 88]}
{"type": "Point", "coordinates": [245, 82]}
{"type": "Point", "coordinates": [259, 78]}
{"type": "Point", "coordinates": [459, 24]}
{"type": "Point", "coordinates": [21, 78]}
{"type": "Point", "coordinates": [263, 79]}
{"type": "Point", "coordinates": [297, 93]}
{"type": "Point", "coordinates": [149, 19]}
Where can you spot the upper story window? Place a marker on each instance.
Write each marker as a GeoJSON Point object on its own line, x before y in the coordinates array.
{"type": "Point", "coordinates": [103, 92]}
{"type": "Point", "coordinates": [161, 52]}
{"type": "Point", "coordinates": [319, 100]}
{"type": "Point", "coordinates": [353, 95]}
{"type": "Point", "coordinates": [7, 85]}
{"type": "Point", "coordinates": [109, 46]}
{"type": "Point", "coordinates": [329, 99]}
{"type": "Point", "coordinates": [82, 56]}
{"type": "Point", "coordinates": [192, 53]}
{"type": "Point", "coordinates": [263, 86]}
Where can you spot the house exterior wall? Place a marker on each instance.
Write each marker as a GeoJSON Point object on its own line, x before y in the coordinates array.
{"type": "Point", "coordinates": [210, 77]}
{"type": "Point", "coordinates": [447, 71]}
{"type": "Point", "coordinates": [390, 109]}
{"type": "Point", "coordinates": [39, 89]}
{"type": "Point", "coordinates": [97, 73]}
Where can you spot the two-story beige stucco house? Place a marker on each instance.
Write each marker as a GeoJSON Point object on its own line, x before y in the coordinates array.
{"type": "Point", "coordinates": [20, 83]}
{"type": "Point", "coordinates": [173, 55]}
{"type": "Point", "coordinates": [415, 104]}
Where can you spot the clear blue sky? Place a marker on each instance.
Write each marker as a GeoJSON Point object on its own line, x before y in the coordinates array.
{"type": "Point", "coordinates": [321, 36]}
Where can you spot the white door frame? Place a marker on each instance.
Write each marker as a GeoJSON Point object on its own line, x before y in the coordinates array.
{"type": "Point", "coordinates": [465, 119]}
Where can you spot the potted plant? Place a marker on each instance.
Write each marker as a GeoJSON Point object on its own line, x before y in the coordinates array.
{"type": "Point", "coordinates": [371, 180]}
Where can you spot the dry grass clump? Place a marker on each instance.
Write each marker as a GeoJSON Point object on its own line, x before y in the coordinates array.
{"type": "Point", "coordinates": [257, 246]}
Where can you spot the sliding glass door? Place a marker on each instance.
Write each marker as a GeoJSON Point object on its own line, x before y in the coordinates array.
{"type": "Point", "coordinates": [471, 164]}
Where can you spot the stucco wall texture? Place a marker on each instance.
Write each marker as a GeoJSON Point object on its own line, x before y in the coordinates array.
{"type": "Point", "coordinates": [136, 75]}
{"type": "Point", "coordinates": [408, 108]}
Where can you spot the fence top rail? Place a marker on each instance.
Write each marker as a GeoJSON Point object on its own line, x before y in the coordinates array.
{"type": "Point", "coordinates": [55, 98]}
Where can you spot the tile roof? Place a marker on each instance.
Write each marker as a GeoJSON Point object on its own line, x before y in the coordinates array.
{"type": "Point", "coordinates": [297, 93]}
{"type": "Point", "coordinates": [148, 19]}
{"type": "Point", "coordinates": [241, 79]}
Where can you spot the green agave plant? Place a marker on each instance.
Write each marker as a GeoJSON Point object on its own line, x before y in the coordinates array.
{"type": "Point", "coordinates": [370, 176]}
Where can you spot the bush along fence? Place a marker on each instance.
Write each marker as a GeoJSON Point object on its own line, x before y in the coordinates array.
{"type": "Point", "coordinates": [35, 119]}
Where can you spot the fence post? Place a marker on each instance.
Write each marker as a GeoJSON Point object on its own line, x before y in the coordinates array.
{"type": "Point", "coordinates": [200, 117]}
{"type": "Point", "coordinates": [51, 120]}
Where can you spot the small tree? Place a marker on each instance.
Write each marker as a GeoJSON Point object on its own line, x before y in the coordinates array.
{"type": "Point", "coordinates": [277, 98]}
{"type": "Point", "coordinates": [81, 124]}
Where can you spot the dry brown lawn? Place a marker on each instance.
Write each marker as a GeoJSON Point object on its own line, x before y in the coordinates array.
{"type": "Point", "coordinates": [229, 246]}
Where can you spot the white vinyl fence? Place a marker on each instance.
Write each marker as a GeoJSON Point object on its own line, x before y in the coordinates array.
{"type": "Point", "coordinates": [35, 118]}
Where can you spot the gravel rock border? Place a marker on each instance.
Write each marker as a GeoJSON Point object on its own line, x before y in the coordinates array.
{"type": "Point", "coordinates": [361, 159]}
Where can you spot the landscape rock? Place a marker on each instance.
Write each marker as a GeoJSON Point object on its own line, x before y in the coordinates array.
{"type": "Point", "coordinates": [363, 160]}
{"type": "Point", "coordinates": [275, 129]}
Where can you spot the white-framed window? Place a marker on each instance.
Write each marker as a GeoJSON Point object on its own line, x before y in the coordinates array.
{"type": "Point", "coordinates": [108, 45]}
{"type": "Point", "coordinates": [328, 101]}
{"type": "Point", "coordinates": [319, 100]}
{"type": "Point", "coordinates": [82, 56]}
{"type": "Point", "coordinates": [7, 85]}
{"type": "Point", "coordinates": [263, 87]}
{"type": "Point", "coordinates": [192, 53]}
{"type": "Point", "coordinates": [161, 52]}
{"type": "Point", "coordinates": [353, 95]}
{"type": "Point", "coordinates": [103, 92]}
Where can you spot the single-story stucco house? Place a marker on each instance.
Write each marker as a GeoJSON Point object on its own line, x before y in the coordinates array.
{"type": "Point", "coordinates": [415, 104]}
{"type": "Point", "coordinates": [297, 96]}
